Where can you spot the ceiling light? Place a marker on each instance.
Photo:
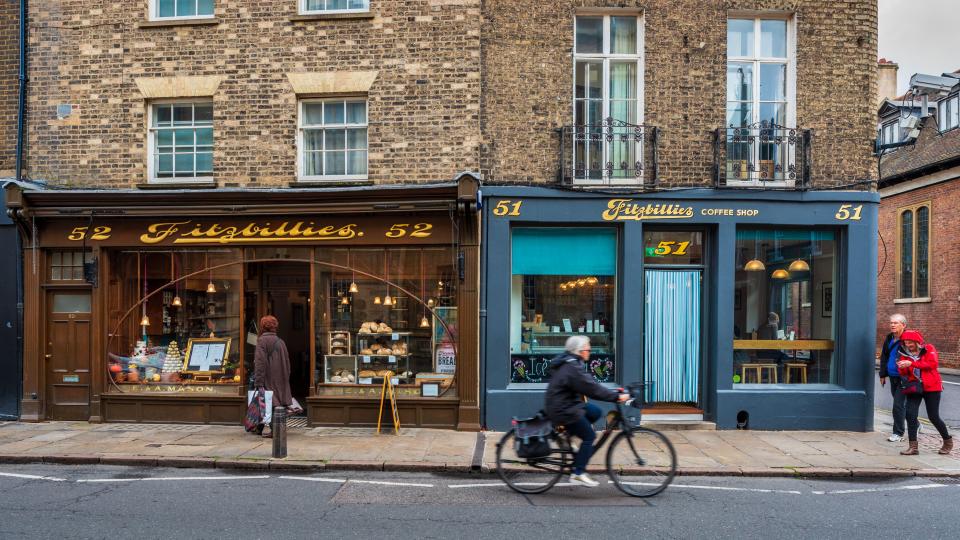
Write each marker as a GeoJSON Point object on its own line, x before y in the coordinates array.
{"type": "Point", "coordinates": [780, 273]}
{"type": "Point", "coordinates": [754, 265]}
{"type": "Point", "coordinates": [799, 265]}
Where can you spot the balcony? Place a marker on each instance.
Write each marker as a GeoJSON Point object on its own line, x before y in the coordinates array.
{"type": "Point", "coordinates": [762, 155]}
{"type": "Point", "coordinates": [612, 153]}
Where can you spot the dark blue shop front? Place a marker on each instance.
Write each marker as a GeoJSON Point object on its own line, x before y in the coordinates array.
{"type": "Point", "coordinates": [754, 307]}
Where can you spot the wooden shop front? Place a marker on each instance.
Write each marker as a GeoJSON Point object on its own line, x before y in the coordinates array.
{"type": "Point", "coordinates": [144, 306]}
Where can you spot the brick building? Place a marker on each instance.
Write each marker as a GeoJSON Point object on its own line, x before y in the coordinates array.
{"type": "Point", "coordinates": [672, 181]}
{"type": "Point", "coordinates": [919, 189]}
{"type": "Point", "coordinates": [9, 65]}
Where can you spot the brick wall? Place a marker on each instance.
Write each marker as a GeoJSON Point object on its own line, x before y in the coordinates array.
{"type": "Point", "coordinates": [527, 92]}
{"type": "Point", "coordinates": [938, 319]}
{"type": "Point", "coordinates": [9, 65]}
{"type": "Point", "coordinates": [423, 106]}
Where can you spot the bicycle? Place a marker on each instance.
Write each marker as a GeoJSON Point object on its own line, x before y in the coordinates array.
{"type": "Point", "coordinates": [633, 474]}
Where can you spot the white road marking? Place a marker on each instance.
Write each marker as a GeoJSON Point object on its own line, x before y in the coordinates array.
{"type": "Point", "coordinates": [953, 383]}
{"type": "Point", "coordinates": [169, 478]}
{"type": "Point", "coordinates": [488, 484]}
{"type": "Point", "coordinates": [33, 477]}
{"type": "Point", "coordinates": [717, 488]}
{"type": "Point", "coordinates": [309, 479]}
{"type": "Point", "coordinates": [352, 481]}
{"type": "Point", "coordinates": [876, 490]}
{"type": "Point", "coordinates": [382, 483]}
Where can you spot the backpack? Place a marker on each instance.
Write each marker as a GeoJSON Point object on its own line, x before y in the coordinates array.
{"type": "Point", "coordinates": [532, 437]}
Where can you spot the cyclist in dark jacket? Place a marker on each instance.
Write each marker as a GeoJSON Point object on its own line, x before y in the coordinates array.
{"type": "Point", "coordinates": [569, 382]}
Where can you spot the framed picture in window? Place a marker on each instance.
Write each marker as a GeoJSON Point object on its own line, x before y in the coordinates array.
{"type": "Point", "coordinates": [206, 355]}
{"type": "Point", "coordinates": [826, 305]}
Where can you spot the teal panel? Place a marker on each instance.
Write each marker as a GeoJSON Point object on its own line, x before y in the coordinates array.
{"type": "Point", "coordinates": [564, 251]}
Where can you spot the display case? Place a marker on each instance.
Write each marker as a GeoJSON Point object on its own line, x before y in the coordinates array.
{"type": "Point", "coordinates": [383, 354]}
{"type": "Point", "coordinates": [339, 342]}
{"type": "Point", "coordinates": [553, 342]}
{"type": "Point", "coordinates": [340, 369]}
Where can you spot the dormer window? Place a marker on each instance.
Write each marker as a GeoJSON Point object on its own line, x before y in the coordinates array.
{"type": "Point", "coordinates": [948, 112]}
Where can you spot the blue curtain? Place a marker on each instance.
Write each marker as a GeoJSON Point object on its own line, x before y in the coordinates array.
{"type": "Point", "coordinates": [540, 251]}
{"type": "Point", "coordinates": [672, 335]}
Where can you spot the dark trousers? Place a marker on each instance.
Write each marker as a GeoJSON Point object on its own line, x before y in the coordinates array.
{"type": "Point", "coordinates": [932, 402]}
{"type": "Point", "coordinates": [583, 429]}
{"type": "Point", "coordinates": [899, 406]}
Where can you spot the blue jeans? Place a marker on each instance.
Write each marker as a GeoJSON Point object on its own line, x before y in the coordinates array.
{"type": "Point", "coordinates": [583, 429]}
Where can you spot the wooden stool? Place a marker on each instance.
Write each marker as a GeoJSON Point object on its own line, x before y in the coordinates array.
{"type": "Point", "coordinates": [758, 371]}
{"type": "Point", "coordinates": [800, 368]}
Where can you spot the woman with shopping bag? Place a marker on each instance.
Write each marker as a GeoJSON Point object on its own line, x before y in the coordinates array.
{"type": "Point", "coordinates": [271, 368]}
{"type": "Point", "coordinates": [918, 366]}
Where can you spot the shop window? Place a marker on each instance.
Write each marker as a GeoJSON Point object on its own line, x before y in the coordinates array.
{"type": "Point", "coordinates": [185, 338]}
{"type": "Point", "coordinates": [333, 139]}
{"type": "Point", "coordinates": [784, 307]}
{"type": "Point", "coordinates": [914, 252]}
{"type": "Point", "coordinates": [334, 6]}
{"type": "Point", "coordinates": [563, 283]}
{"type": "Point", "coordinates": [181, 9]}
{"type": "Point", "coordinates": [367, 330]}
{"type": "Point", "coordinates": [68, 265]}
{"type": "Point", "coordinates": [181, 141]}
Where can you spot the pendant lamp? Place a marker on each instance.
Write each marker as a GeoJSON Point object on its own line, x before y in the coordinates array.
{"type": "Point", "coordinates": [145, 321]}
{"type": "Point", "coordinates": [353, 281]}
{"type": "Point", "coordinates": [211, 288]}
{"type": "Point", "coordinates": [431, 302]}
{"type": "Point", "coordinates": [344, 301]}
{"type": "Point", "coordinates": [176, 286]}
{"type": "Point", "coordinates": [376, 300]}
{"type": "Point", "coordinates": [755, 264]}
{"type": "Point", "coordinates": [780, 273]}
{"type": "Point", "coordinates": [799, 265]}
{"type": "Point", "coordinates": [387, 301]}
{"type": "Point", "coordinates": [424, 323]}
{"type": "Point", "coordinates": [592, 280]}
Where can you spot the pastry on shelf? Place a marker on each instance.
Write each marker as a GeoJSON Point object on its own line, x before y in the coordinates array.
{"type": "Point", "coordinates": [367, 373]}
{"type": "Point", "coordinates": [384, 329]}
{"type": "Point", "coordinates": [368, 351]}
{"type": "Point", "coordinates": [385, 373]}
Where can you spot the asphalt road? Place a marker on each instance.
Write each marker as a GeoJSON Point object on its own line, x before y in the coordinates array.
{"type": "Point", "coordinates": [949, 401]}
{"type": "Point", "coordinates": [49, 501]}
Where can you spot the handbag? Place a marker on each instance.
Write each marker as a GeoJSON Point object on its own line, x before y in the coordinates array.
{"type": "Point", "coordinates": [256, 408]}
{"type": "Point", "coordinates": [914, 387]}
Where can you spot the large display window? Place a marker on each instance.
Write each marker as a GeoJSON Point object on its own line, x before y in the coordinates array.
{"type": "Point", "coordinates": [784, 306]}
{"type": "Point", "coordinates": [175, 338]}
{"type": "Point", "coordinates": [563, 283]}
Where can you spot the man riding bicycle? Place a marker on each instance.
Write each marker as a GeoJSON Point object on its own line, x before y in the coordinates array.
{"type": "Point", "coordinates": [569, 383]}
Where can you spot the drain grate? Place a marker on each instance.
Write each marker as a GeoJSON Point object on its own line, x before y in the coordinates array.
{"type": "Point", "coordinates": [943, 480]}
{"type": "Point", "coordinates": [297, 422]}
{"type": "Point", "coordinates": [356, 432]}
{"type": "Point", "coordinates": [180, 428]}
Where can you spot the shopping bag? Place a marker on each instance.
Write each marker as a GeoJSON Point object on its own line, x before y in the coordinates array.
{"type": "Point", "coordinates": [252, 338]}
{"type": "Point", "coordinates": [255, 411]}
{"type": "Point", "coordinates": [267, 397]}
{"type": "Point", "coordinates": [295, 407]}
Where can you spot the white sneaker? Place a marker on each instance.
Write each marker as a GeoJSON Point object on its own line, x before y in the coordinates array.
{"type": "Point", "coordinates": [895, 438]}
{"type": "Point", "coordinates": [920, 429]}
{"type": "Point", "coordinates": [583, 480]}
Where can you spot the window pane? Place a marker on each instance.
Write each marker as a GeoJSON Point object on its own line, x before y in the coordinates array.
{"type": "Point", "coordinates": [336, 139]}
{"type": "Point", "coordinates": [204, 163]}
{"type": "Point", "coordinates": [182, 115]}
{"type": "Point", "coordinates": [313, 164]}
{"type": "Point", "coordinates": [312, 140]}
{"type": "Point", "coordinates": [356, 112]}
{"type": "Point", "coordinates": [923, 241]}
{"type": "Point", "coordinates": [673, 247]}
{"type": "Point", "coordinates": [906, 254]}
{"type": "Point", "coordinates": [589, 35]}
{"type": "Point", "coordinates": [71, 302]}
{"type": "Point", "coordinates": [357, 162]}
{"type": "Point", "coordinates": [589, 80]}
{"type": "Point", "coordinates": [789, 297]}
{"type": "Point", "coordinates": [203, 114]}
{"type": "Point", "coordinates": [56, 273]}
{"type": "Point", "coordinates": [312, 114]}
{"type": "Point", "coordinates": [954, 113]}
{"type": "Point", "coordinates": [335, 163]}
{"type": "Point", "coordinates": [314, 5]}
{"type": "Point", "coordinates": [359, 4]}
{"type": "Point", "coordinates": [161, 115]}
{"type": "Point", "coordinates": [623, 80]}
{"type": "Point", "coordinates": [336, 4]}
{"type": "Point", "coordinates": [739, 114]}
{"type": "Point", "coordinates": [942, 118]}
{"type": "Point", "coordinates": [625, 111]}
{"type": "Point", "coordinates": [184, 139]}
{"type": "Point", "coordinates": [164, 137]}
{"type": "Point", "coordinates": [183, 163]}
{"type": "Point", "coordinates": [186, 8]}
{"type": "Point", "coordinates": [739, 81]}
{"type": "Point", "coordinates": [773, 39]}
{"type": "Point", "coordinates": [56, 258]}
{"type": "Point", "coordinates": [164, 164]}
{"type": "Point", "coordinates": [333, 113]}
{"type": "Point", "coordinates": [204, 7]}
{"type": "Point", "coordinates": [204, 136]}
{"type": "Point", "coordinates": [623, 35]}
{"type": "Point", "coordinates": [773, 82]}
{"type": "Point", "coordinates": [356, 139]}
{"type": "Point", "coordinates": [773, 113]}
{"type": "Point", "coordinates": [165, 8]}
{"type": "Point", "coordinates": [740, 37]}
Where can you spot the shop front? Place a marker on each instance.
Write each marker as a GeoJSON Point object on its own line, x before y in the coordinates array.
{"type": "Point", "coordinates": [749, 309]}
{"type": "Point", "coordinates": [146, 306]}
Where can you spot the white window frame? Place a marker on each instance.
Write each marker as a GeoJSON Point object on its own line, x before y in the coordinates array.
{"type": "Point", "coordinates": [301, 176]}
{"type": "Point", "coordinates": [302, 8]}
{"type": "Point", "coordinates": [155, 13]}
{"type": "Point", "coordinates": [605, 57]}
{"type": "Point", "coordinates": [791, 83]}
{"type": "Point", "coordinates": [948, 109]}
{"type": "Point", "coordinates": [151, 139]}
{"type": "Point", "coordinates": [890, 132]}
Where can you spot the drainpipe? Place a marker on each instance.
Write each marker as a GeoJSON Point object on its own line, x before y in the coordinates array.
{"type": "Point", "coordinates": [22, 94]}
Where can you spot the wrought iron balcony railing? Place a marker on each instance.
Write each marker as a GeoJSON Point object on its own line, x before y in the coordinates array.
{"type": "Point", "coordinates": [762, 154]}
{"type": "Point", "coordinates": [612, 153]}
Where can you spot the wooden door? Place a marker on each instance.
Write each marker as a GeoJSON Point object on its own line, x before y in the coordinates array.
{"type": "Point", "coordinates": [68, 355]}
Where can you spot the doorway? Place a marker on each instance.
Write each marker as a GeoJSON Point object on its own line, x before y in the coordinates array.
{"type": "Point", "coordinates": [67, 355]}
{"type": "Point", "coordinates": [282, 289]}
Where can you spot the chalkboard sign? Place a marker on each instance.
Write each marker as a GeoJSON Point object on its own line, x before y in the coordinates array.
{"type": "Point", "coordinates": [534, 368]}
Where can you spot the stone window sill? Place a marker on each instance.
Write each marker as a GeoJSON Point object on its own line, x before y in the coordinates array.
{"type": "Point", "coordinates": [924, 300]}
{"type": "Point", "coordinates": [178, 185]}
{"type": "Point", "coordinates": [331, 16]}
{"type": "Point", "coordinates": [329, 183]}
{"type": "Point", "coordinates": [206, 21]}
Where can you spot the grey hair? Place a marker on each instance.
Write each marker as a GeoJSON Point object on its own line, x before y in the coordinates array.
{"type": "Point", "coordinates": [575, 344]}
{"type": "Point", "coordinates": [772, 317]}
{"type": "Point", "coordinates": [899, 318]}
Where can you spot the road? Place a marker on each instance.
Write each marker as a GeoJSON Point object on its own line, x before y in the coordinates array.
{"type": "Point", "coordinates": [949, 402]}
{"type": "Point", "coordinates": [49, 501]}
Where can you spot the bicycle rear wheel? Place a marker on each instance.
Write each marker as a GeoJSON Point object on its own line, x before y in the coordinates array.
{"type": "Point", "coordinates": [641, 462]}
{"type": "Point", "coordinates": [530, 475]}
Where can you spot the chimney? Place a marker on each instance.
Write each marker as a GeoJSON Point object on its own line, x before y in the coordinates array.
{"type": "Point", "coordinates": [886, 80]}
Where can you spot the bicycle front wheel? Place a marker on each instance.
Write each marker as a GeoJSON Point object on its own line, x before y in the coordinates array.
{"type": "Point", "coordinates": [529, 475]}
{"type": "Point", "coordinates": [641, 462]}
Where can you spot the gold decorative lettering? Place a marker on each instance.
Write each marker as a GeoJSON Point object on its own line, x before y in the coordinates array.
{"type": "Point", "coordinates": [627, 210]}
{"type": "Point", "coordinates": [158, 232]}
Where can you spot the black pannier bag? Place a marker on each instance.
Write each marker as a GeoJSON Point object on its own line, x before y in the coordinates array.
{"type": "Point", "coordinates": [532, 436]}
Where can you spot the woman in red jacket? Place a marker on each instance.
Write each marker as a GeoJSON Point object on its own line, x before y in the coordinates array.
{"type": "Point", "coordinates": [919, 358]}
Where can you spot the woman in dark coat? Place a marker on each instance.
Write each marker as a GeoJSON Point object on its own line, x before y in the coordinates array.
{"type": "Point", "coordinates": [271, 364]}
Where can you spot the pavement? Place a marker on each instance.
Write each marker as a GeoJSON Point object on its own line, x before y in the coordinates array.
{"type": "Point", "coordinates": [700, 453]}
